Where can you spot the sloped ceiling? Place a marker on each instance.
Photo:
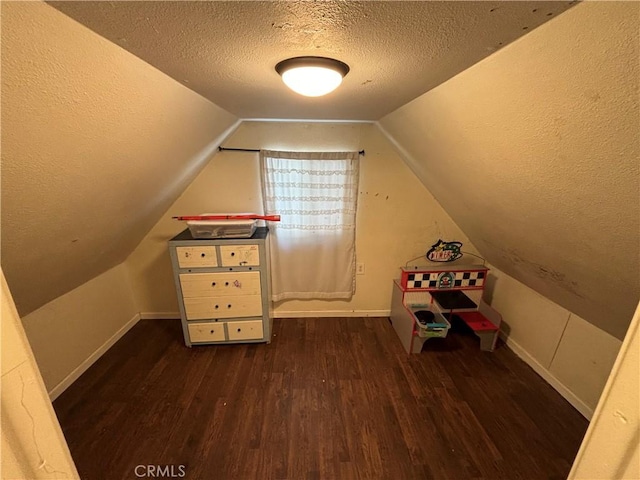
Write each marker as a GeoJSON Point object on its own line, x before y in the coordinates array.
{"type": "Point", "coordinates": [96, 144]}
{"type": "Point", "coordinates": [535, 154]}
{"type": "Point", "coordinates": [227, 50]}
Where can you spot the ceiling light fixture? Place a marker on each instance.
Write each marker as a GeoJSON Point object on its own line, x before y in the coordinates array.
{"type": "Point", "coordinates": [312, 76]}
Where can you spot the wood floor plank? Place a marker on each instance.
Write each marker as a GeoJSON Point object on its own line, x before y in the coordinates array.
{"type": "Point", "coordinates": [332, 398]}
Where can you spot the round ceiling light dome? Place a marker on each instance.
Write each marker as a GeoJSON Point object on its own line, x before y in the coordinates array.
{"type": "Point", "coordinates": [312, 76]}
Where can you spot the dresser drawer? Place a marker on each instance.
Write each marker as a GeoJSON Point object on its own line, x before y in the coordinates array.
{"type": "Point", "coordinates": [240, 255]}
{"type": "Point", "coordinates": [249, 330]}
{"type": "Point", "coordinates": [204, 256]}
{"type": "Point", "coordinates": [220, 284]}
{"type": "Point", "coordinates": [200, 308]}
{"type": "Point", "coordinates": [206, 332]}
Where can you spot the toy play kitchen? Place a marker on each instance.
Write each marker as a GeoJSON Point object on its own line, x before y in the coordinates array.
{"type": "Point", "coordinates": [426, 299]}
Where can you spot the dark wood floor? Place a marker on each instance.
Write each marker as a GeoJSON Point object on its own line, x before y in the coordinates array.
{"type": "Point", "coordinates": [327, 399]}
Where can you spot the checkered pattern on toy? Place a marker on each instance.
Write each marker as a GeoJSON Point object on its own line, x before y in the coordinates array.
{"type": "Point", "coordinates": [430, 280]}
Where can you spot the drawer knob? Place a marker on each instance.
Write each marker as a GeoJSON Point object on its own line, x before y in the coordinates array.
{"type": "Point", "coordinates": [216, 306]}
{"type": "Point", "coordinates": [213, 284]}
{"type": "Point", "coordinates": [226, 284]}
{"type": "Point", "coordinates": [202, 255]}
{"type": "Point", "coordinates": [233, 254]}
{"type": "Point", "coordinates": [229, 306]}
{"type": "Point", "coordinates": [239, 329]}
{"type": "Point", "coordinates": [212, 331]}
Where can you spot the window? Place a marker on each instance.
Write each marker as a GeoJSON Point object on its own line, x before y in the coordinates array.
{"type": "Point", "coordinates": [313, 246]}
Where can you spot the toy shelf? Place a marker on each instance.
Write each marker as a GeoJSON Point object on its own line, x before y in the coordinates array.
{"type": "Point", "coordinates": [449, 293]}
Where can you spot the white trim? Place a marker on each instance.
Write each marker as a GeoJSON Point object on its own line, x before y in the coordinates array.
{"type": "Point", "coordinates": [304, 120]}
{"type": "Point", "coordinates": [563, 390]}
{"type": "Point", "coordinates": [331, 313]}
{"type": "Point", "coordinates": [159, 315]}
{"type": "Point", "coordinates": [408, 159]}
{"type": "Point", "coordinates": [611, 420]}
{"type": "Point", "coordinates": [91, 359]}
{"type": "Point", "coordinates": [284, 314]}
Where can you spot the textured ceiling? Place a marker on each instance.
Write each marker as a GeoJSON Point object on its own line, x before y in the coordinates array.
{"type": "Point", "coordinates": [226, 51]}
{"type": "Point", "coordinates": [96, 145]}
{"type": "Point", "coordinates": [534, 154]}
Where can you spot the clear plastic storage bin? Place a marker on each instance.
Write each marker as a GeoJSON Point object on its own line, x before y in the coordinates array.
{"type": "Point", "coordinates": [221, 228]}
{"type": "Point", "coordinates": [436, 327]}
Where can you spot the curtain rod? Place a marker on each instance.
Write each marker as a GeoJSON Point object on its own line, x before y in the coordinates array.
{"type": "Point", "coordinates": [221, 149]}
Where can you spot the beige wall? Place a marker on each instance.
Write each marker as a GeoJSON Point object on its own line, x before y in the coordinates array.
{"type": "Point", "coordinates": [96, 144]}
{"type": "Point", "coordinates": [69, 333]}
{"type": "Point", "coordinates": [583, 359]}
{"type": "Point", "coordinates": [534, 154]}
{"type": "Point", "coordinates": [397, 219]}
{"type": "Point", "coordinates": [570, 353]}
{"type": "Point", "coordinates": [611, 446]}
{"type": "Point", "coordinates": [567, 351]}
{"type": "Point", "coordinates": [33, 446]}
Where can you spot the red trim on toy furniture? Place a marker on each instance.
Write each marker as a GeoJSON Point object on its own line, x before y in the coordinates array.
{"type": "Point", "coordinates": [414, 332]}
{"type": "Point", "coordinates": [440, 270]}
{"type": "Point", "coordinates": [477, 321]}
{"type": "Point", "coordinates": [237, 216]}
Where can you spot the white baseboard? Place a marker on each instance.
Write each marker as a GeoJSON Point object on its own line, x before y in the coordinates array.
{"type": "Point", "coordinates": [331, 313]}
{"type": "Point", "coordinates": [568, 395]}
{"type": "Point", "coordinates": [159, 315]}
{"type": "Point", "coordinates": [578, 404]}
{"type": "Point", "coordinates": [91, 359]}
{"type": "Point", "coordinates": [285, 314]}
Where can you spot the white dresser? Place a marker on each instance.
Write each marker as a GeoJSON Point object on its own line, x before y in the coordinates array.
{"type": "Point", "coordinates": [223, 288]}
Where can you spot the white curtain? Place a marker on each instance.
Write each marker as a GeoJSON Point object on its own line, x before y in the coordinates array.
{"type": "Point", "coordinates": [313, 246]}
